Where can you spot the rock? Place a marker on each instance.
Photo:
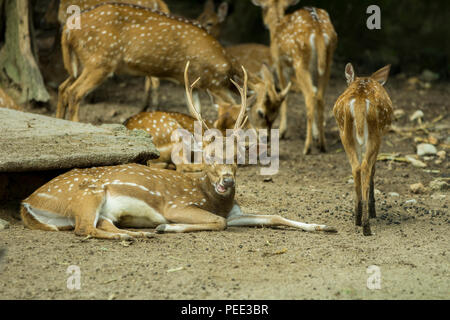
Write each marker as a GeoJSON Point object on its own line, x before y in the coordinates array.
{"type": "Point", "coordinates": [350, 181]}
{"type": "Point", "coordinates": [411, 201]}
{"type": "Point", "coordinates": [438, 185]}
{"type": "Point", "coordinates": [441, 154]}
{"type": "Point", "coordinates": [432, 139]}
{"type": "Point", "coordinates": [429, 76]}
{"type": "Point", "coordinates": [377, 192]}
{"type": "Point", "coordinates": [418, 115]}
{"type": "Point", "coordinates": [4, 224]}
{"type": "Point", "coordinates": [416, 163]}
{"type": "Point", "coordinates": [426, 148]}
{"type": "Point", "coordinates": [393, 194]}
{"type": "Point", "coordinates": [417, 188]}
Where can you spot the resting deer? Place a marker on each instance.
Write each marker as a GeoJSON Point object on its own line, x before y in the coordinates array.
{"type": "Point", "coordinates": [92, 201]}
{"type": "Point", "coordinates": [212, 20]}
{"type": "Point", "coordinates": [363, 113]}
{"type": "Point", "coordinates": [128, 39]}
{"type": "Point", "coordinates": [302, 42]}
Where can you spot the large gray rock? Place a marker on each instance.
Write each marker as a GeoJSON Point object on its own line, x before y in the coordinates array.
{"type": "Point", "coordinates": [31, 142]}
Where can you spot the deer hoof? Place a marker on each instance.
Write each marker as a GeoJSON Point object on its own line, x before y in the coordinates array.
{"type": "Point", "coordinates": [366, 230]}
{"type": "Point", "coordinates": [126, 237]}
{"type": "Point", "coordinates": [329, 229]}
{"type": "Point", "coordinates": [161, 228]}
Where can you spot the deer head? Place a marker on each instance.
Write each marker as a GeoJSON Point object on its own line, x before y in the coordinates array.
{"type": "Point", "coordinates": [211, 20]}
{"type": "Point", "coordinates": [220, 167]}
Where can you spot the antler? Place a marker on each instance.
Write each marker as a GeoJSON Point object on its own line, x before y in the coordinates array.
{"type": "Point", "coordinates": [242, 118]}
{"type": "Point", "coordinates": [194, 112]}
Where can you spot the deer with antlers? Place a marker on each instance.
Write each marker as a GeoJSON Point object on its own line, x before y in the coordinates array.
{"type": "Point", "coordinates": [302, 43]}
{"type": "Point", "coordinates": [363, 113]}
{"type": "Point", "coordinates": [128, 39]}
{"type": "Point", "coordinates": [92, 201]}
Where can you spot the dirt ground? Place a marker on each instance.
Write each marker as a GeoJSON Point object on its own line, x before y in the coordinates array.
{"type": "Point", "coordinates": [410, 245]}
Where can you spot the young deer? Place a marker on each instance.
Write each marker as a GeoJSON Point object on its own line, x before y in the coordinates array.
{"type": "Point", "coordinates": [92, 201]}
{"type": "Point", "coordinates": [302, 42]}
{"type": "Point", "coordinates": [212, 20]}
{"type": "Point", "coordinates": [363, 113]}
{"type": "Point", "coordinates": [122, 38]}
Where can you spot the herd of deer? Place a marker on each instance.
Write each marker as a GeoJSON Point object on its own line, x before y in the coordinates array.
{"type": "Point", "coordinates": [143, 38]}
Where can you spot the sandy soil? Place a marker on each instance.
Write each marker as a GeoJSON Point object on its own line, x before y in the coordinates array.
{"type": "Point", "coordinates": [410, 245]}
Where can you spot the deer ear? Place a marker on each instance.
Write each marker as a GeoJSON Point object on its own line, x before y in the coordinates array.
{"type": "Point", "coordinates": [222, 11]}
{"type": "Point", "coordinates": [285, 91]}
{"type": "Point", "coordinates": [259, 3]}
{"type": "Point", "coordinates": [266, 74]}
{"type": "Point", "coordinates": [381, 75]}
{"type": "Point", "coordinates": [209, 6]}
{"type": "Point", "coordinates": [292, 2]}
{"type": "Point", "coordinates": [349, 73]}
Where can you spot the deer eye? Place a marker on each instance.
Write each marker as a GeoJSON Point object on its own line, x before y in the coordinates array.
{"type": "Point", "coordinates": [260, 114]}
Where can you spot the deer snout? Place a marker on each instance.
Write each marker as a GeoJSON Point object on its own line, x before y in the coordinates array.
{"type": "Point", "coordinates": [228, 182]}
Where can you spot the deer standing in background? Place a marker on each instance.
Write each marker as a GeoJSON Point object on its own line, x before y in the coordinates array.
{"type": "Point", "coordinates": [128, 39]}
{"type": "Point", "coordinates": [92, 201]}
{"type": "Point", "coordinates": [212, 20]}
{"type": "Point", "coordinates": [303, 43]}
{"type": "Point", "coordinates": [151, 83]}
{"type": "Point", "coordinates": [363, 113]}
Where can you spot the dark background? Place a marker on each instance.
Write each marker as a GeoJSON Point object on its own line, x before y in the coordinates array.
{"type": "Point", "coordinates": [414, 34]}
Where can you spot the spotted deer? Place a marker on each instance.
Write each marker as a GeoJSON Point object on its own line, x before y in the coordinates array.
{"type": "Point", "coordinates": [302, 43]}
{"type": "Point", "coordinates": [269, 101]}
{"type": "Point", "coordinates": [363, 113]}
{"type": "Point", "coordinates": [151, 83]}
{"type": "Point", "coordinates": [212, 20]}
{"type": "Point", "coordinates": [129, 39]}
{"type": "Point", "coordinates": [92, 201]}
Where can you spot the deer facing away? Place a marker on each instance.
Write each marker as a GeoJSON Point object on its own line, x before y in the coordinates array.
{"type": "Point", "coordinates": [92, 201]}
{"type": "Point", "coordinates": [127, 39]}
{"type": "Point", "coordinates": [302, 43]}
{"type": "Point", "coordinates": [363, 113]}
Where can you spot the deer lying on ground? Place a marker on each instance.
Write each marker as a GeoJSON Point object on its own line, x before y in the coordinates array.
{"type": "Point", "coordinates": [128, 39]}
{"type": "Point", "coordinates": [363, 113]}
{"type": "Point", "coordinates": [92, 201]}
{"type": "Point", "coordinates": [302, 42]}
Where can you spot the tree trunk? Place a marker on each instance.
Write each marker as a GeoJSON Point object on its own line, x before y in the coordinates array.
{"type": "Point", "coordinates": [17, 57]}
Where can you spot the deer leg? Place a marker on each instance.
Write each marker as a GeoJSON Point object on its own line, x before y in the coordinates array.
{"type": "Point", "coordinates": [86, 217]}
{"type": "Point", "coordinates": [349, 145]}
{"type": "Point", "coordinates": [62, 98]}
{"type": "Point", "coordinates": [304, 79]}
{"type": "Point", "coordinates": [365, 182]}
{"type": "Point", "coordinates": [283, 119]}
{"type": "Point", "coordinates": [108, 226]}
{"type": "Point", "coordinates": [372, 211]}
{"type": "Point", "coordinates": [151, 94]}
{"type": "Point", "coordinates": [191, 219]}
{"type": "Point", "coordinates": [88, 81]}
{"type": "Point", "coordinates": [250, 220]}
